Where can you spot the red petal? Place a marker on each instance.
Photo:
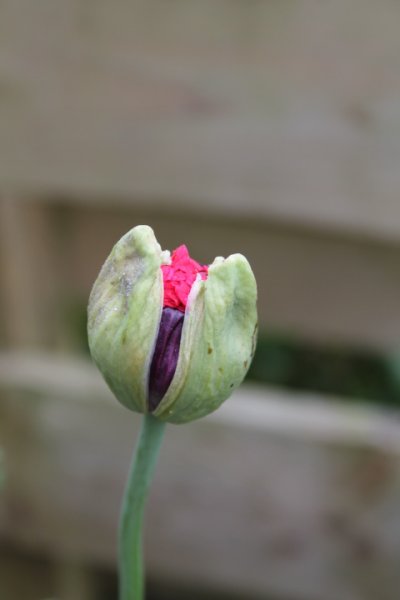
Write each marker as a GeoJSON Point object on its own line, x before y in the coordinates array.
{"type": "Point", "coordinates": [179, 277]}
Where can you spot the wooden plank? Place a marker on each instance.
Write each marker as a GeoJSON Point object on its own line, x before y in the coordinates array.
{"type": "Point", "coordinates": [19, 244]}
{"type": "Point", "coordinates": [285, 110]}
{"type": "Point", "coordinates": [317, 287]}
{"type": "Point", "coordinates": [28, 275]}
{"type": "Point", "coordinates": [273, 494]}
{"type": "Point", "coordinates": [16, 299]}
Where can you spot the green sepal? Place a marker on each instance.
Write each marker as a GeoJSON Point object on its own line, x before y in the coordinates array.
{"type": "Point", "coordinates": [124, 315]}
{"type": "Point", "coordinates": [218, 341]}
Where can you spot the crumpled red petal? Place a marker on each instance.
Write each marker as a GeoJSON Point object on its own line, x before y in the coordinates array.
{"type": "Point", "coordinates": [179, 277]}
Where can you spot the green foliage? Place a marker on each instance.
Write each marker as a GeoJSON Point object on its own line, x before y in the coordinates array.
{"type": "Point", "coordinates": [353, 373]}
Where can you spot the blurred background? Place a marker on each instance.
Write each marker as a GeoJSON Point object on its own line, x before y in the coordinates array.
{"type": "Point", "coordinates": [266, 127]}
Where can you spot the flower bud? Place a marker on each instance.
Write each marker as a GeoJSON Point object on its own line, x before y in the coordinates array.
{"type": "Point", "coordinates": [170, 336]}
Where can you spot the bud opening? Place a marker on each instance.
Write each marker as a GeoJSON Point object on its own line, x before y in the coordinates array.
{"type": "Point", "coordinates": [178, 278]}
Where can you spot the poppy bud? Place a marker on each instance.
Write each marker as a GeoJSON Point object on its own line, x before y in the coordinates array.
{"type": "Point", "coordinates": [170, 336]}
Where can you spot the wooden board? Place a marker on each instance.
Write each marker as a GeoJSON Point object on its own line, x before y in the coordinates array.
{"type": "Point", "coordinates": [274, 494]}
{"type": "Point", "coordinates": [285, 110]}
{"type": "Point", "coordinates": [321, 288]}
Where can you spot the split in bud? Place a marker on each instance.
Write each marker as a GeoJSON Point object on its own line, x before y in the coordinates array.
{"type": "Point", "coordinates": [169, 335]}
{"type": "Point", "coordinates": [178, 278]}
{"type": "Point", "coordinates": [166, 354]}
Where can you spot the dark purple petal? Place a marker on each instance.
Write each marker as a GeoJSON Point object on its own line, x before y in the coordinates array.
{"type": "Point", "coordinates": [165, 357]}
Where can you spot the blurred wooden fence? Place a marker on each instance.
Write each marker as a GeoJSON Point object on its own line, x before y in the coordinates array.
{"type": "Point", "coordinates": [270, 128]}
{"type": "Point", "coordinates": [272, 496]}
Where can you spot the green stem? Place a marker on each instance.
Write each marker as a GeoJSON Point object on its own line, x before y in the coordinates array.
{"type": "Point", "coordinates": [131, 575]}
